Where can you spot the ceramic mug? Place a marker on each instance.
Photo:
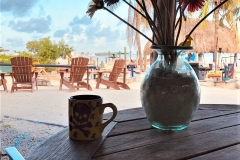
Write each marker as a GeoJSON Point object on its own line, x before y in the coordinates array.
{"type": "Point", "coordinates": [86, 116]}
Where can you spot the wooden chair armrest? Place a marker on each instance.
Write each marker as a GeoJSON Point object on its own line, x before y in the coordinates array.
{"type": "Point", "coordinates": [2, 75]}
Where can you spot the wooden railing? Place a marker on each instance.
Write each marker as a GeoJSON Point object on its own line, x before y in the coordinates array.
{"type": "Point", "coordinates": [50, 65]}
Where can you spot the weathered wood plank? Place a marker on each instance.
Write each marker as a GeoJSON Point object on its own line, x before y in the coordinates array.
{"type": "Point", "coordinates": [231, 153]}
{"type": "Point", "coordinates": [147, 137]}
{"type": "Point", "coordinates": [220, 106]}
{"type": "Point", "coordinates": [130, 126]}
{"type": "Point", "coordinates": [126, 115]}
{"type": "Point", "coordinates": [60, 145]}
{"type": "Point", "coordinates": [209, 113]}
{"type": "Point", "coordinates": [205, 111]}
{"type": "Point", "coordinates": [181, 148]}
{"type": "Point", "coordinates": [143, 124]}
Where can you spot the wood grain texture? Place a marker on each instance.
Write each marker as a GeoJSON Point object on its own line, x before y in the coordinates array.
{"type": "Point", "coordinates": [231, 153]}
{"type": "Point", "coordinates": [60, 146]}
{"type": "Point", "coordinates": [131, 140]}
{"type": "Point", "coordinates": [180, 148]}
{"type": "Point", "coordinates": [126, 115]}
{"type": "Point", "coordinates": [210, 110]}
{"type": "Point", "coordinates": [139, 122]}
{"type": "Point", "coordinates": [214, 133]}
{"type": "Point", "coordinates": [222, 107]}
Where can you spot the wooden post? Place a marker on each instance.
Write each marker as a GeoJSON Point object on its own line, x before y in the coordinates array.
{"type": "Point", "coordinates": [125, 56]}
{"type": "Point", "coordinates": [218, 59]}
{"type": "Point", "coordinates": [216, 17]}
{"type": "Point", "coordinates": [130, 56]}
{"type": "Point", "coordinates": [97, 62]}
{"type": "Point", "coordinates": [196, 57]}
{"type": "Point", "coordinates": [231, 57]}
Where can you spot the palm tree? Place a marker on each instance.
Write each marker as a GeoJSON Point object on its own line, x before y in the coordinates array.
{"type": "Point", "coordinates": [229, 14]}
{"type": "Point", "coordinates": [136, 20]}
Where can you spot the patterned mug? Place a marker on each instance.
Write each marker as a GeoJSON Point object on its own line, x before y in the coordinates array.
{"type": "Point", "coordinates": [86, 116]}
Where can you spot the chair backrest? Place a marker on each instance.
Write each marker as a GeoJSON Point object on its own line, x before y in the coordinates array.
{"type": "Point", "coordinates": [117, 68]}
{"type": "Point", "coordinates": [79, 67]}
{"type": "Point", "coordinates": [22, 69]}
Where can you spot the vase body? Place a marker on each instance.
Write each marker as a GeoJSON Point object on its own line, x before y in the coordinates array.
{"type": "Point", "coordinates": [170, 92]}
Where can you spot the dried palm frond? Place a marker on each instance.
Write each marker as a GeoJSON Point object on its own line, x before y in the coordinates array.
{"type": "Point", "coordinates": [204, 12]}
{"type": "Point", "coordinates": [93, 6]}
{"type": "Point", "coordinates": [112, 4]}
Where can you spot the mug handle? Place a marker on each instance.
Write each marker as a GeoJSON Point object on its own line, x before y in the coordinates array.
{"type": "Point", "coordinates": [114, 108]}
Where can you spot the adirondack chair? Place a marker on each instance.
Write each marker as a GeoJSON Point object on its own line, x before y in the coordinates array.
{"type": "Point", "coordinates": [22, 74]}
{"type": "Point", "coordinates": [79, 67]}
{"type": "Point", "coordinates": [111, 81]}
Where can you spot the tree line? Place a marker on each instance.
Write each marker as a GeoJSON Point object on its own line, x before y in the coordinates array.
{"type": "Point", "coordinates": [43, 51]}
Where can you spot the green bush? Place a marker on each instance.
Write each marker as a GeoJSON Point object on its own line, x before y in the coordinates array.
{"type": "Point", "coordinates": [4, 58]}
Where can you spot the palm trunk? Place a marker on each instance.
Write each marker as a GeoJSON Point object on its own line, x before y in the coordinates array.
{"type": "Point", "coordinates": [138, 22]}
{"type": "Point", "coordinates": [216, 16]}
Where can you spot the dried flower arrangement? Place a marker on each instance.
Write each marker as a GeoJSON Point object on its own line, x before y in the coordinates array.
{"type": "Point", "coordinates": [165, 21]}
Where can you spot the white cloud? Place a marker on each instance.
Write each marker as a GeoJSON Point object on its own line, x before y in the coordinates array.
{"type": "Point", "coordinates": [102, 26]}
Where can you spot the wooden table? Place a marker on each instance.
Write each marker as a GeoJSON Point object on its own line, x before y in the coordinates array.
{"type": "Point", "coordinates": [213, 134]}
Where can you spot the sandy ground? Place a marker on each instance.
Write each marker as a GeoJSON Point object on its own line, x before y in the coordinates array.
{"type": "Point", "coordinates": [44, 112]}
{"type": "Point", "coordinates": [49, 104]}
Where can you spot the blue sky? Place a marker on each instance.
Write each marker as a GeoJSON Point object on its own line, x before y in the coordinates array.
{"type": "Point", "coordinates": [27, 20]}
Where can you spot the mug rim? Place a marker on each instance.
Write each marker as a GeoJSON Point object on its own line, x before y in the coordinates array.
{"type": "Point", "coordinates": [94, 97]}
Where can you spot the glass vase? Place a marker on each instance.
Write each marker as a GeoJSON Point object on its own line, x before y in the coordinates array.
{"type": "Point", "coordinates": [170, 91]}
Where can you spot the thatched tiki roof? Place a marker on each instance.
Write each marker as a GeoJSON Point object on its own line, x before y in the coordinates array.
{"type": "Point", "coordinates": [203, 38]}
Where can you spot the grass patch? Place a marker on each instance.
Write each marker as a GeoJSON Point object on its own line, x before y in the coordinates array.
{"type": "Point", "coordinates": [6, 126]}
